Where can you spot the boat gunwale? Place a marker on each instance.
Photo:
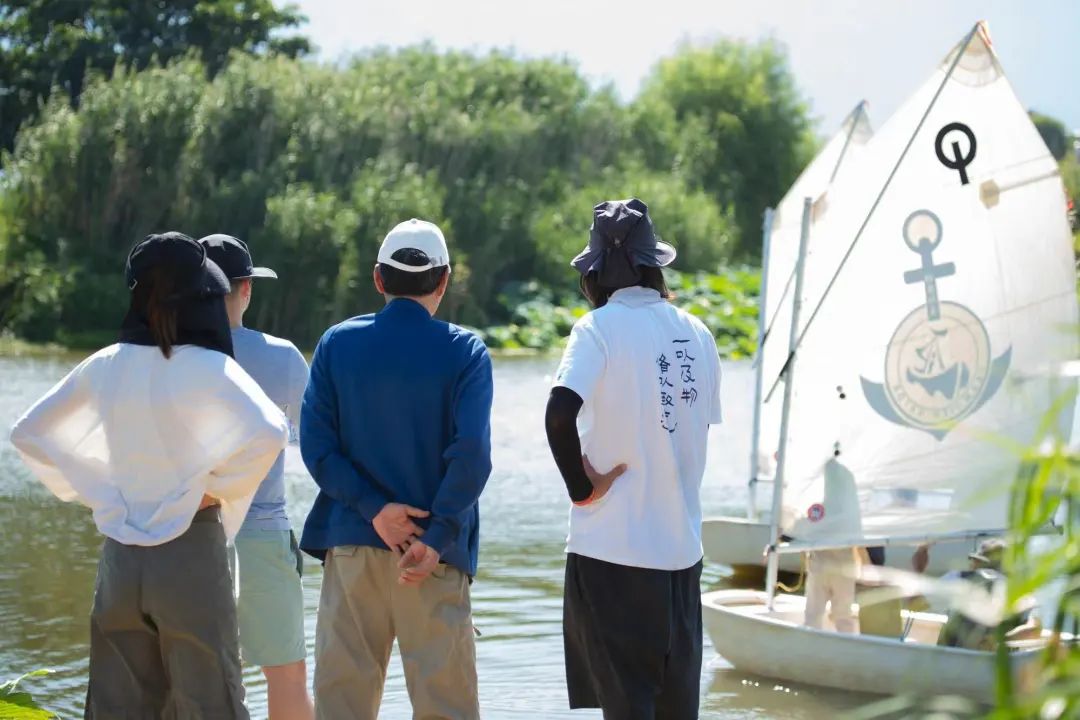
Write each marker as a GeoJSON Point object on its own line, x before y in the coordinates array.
{"type": "Point", "coordinates": [757, 597]}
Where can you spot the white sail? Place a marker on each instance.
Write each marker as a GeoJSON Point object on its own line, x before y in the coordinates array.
{"type": "Point", "coordinates": [838, 154]}
{"type": "Point", "coordinates": [962, 276]}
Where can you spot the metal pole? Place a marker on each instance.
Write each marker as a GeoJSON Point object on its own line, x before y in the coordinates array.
{"type": "Point", "coordinates": [759, 369]}
{"type": "Point", "coordinates": [785, 413]}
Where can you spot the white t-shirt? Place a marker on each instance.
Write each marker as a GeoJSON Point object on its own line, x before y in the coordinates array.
{"type": "Point", "coordinates": [139, 439]}
{"type": "Point", "coordinates": [649, 376]}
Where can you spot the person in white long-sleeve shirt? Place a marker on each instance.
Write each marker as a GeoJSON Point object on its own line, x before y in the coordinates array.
{"type": "Point", "coordinates": [165, 438]}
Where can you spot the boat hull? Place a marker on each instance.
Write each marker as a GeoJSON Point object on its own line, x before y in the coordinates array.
{"type": "Point", "coordinates": [740, 543]}
{"type": "Point", "coordinates": [776, 645]}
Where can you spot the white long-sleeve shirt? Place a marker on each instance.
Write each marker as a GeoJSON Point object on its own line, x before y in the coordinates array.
{"type": "Point", "coordinates": [140, 439]}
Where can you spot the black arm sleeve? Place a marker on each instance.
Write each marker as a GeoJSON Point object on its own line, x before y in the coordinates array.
{"type": "Point", "coordinates": [560, 420]}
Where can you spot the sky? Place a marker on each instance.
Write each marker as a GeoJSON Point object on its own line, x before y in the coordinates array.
{"type": "Point", "coordinates": [841, 51]}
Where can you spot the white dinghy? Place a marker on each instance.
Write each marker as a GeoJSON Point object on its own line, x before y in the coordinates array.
{"type": "Point", "coordinates": [943, 270]}
{"type": "Point", "coordinates": [774, 643]}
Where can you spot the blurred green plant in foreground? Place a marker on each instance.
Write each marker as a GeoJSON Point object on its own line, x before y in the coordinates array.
{"type": "Point", "coordinates": [1047, 487]}
{"type": "Point", "coordinates": [16, 704]}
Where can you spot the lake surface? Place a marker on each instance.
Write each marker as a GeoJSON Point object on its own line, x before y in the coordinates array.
{"type": "Point", "coordinates": [50, 558]}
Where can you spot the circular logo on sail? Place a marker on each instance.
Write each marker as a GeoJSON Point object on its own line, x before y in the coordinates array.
{"type": "Point", "coordinates": [936, 369]}
{"type": "Point", "coordinates": [938, 366]}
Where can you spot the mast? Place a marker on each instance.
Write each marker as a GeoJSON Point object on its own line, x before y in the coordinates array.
{"type": "Point", "coordinates": [785, 413]}
{"type": "Point", "coordinates": [759, 368]}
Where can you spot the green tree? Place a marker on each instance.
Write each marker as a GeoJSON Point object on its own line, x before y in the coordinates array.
{"type": "Point", "coordinates": [727, 118]}
{"type": "Point", "coordinates": [312, 164]}
{"type": "Point", "coordinates": [81, 187]}
{"type": "Point", "coordinates": [1053, 134]}
{"type": "Point", "coordinates": [701, 231]}
{"type": "Point", "coordinates": [47, 45]}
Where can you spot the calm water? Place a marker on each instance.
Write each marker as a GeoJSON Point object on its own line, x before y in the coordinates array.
{"type": "Point", "coordinates": [50, 556]}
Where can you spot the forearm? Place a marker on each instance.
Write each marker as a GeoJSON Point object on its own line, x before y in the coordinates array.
{"type": "Point", "coordinates": [320, 446]}
{"type": "Point", "coordinates": [468, 458]}
{"type": "Point", "coordinates": [47, 433]}
{"type": "Point", "coordinates": [240, 475]}
{"type": "Point", "coordinates": [467, 473]}
{"type": "Point", "coordinates": [560, 422]}
{"type": "Point", "coordinates": [342, 481]}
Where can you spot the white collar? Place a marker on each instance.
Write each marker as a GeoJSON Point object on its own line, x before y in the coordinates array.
{"type": "Point", "coordinates": [636, 296]}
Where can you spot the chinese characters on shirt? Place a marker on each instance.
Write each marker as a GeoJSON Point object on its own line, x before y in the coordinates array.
{"type": "Point", "coordinates": [682, 370]}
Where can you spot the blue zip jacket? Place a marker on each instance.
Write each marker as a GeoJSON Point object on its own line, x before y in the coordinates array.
{"type": "Point", "coordinates": [398, 409]}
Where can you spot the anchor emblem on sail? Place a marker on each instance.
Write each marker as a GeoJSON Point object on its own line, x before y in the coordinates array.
{"type": "Point", "coordinates": [938, 366]}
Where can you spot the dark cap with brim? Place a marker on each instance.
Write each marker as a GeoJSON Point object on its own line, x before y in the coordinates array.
{"type": "Point", "coordinates": [622, 239]}
{"type": "Point", "coordinates": [234, 258]}
{"type": "Point", "coordinates": [195, 273]}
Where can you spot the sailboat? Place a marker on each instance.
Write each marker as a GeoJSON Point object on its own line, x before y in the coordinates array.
{"type": "Point", "coordinates": [740, 541]}
{"type": "Point", "coordinates": [943, 270]}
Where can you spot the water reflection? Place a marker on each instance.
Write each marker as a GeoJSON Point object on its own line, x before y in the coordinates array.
{"type": "Point", "coordinates": [51, 551]}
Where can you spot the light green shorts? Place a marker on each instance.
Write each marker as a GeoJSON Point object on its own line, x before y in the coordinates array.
{"type": "Point", "coordinates": [270, 608]}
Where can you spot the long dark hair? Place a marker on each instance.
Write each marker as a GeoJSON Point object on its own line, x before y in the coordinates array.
{"type": "Point", "coordinates": [598, 295]}
{"type": "Point", "coordinates": [154, 299]}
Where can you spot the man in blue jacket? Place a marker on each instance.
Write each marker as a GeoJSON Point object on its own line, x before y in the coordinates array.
{"type": "Point", "coordinates": [395, 428]}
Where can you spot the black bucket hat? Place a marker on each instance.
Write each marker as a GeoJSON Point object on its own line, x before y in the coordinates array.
{"type": "Point", "coordinates": [197, 276]}
{"type": "Point", "coordinates": [621, 240]}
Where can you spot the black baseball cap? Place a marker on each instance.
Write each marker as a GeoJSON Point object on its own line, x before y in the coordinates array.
{"type": "Point", "coordinates": [188, 261]}
{"type": "Point", "coordinates": [233, 257]}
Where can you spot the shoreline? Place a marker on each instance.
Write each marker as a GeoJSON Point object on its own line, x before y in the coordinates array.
{"type": "Point", "coordinates": [12, 347]}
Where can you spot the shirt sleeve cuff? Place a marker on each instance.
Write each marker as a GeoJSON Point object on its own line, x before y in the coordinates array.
{"type": "Point", "coordinates": [371, 504]}
{"type": "Point", "coordinates": [439, 536]}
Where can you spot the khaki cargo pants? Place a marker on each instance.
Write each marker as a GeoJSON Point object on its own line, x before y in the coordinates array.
{"type": "Point", "coordinates": [362, 610]}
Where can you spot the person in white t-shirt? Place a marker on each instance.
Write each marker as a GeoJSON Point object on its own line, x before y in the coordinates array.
{"type": "Point", "coordinates": [644, 377]}
{"type": "Point", "coordinates": [165, 438]}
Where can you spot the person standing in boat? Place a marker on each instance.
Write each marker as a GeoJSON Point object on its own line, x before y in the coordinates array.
{"type": "Point", "coordinates": [831, 575]}
{"type": "Point", "coordinates": [270, 606]}
{"type": "Point", "coordinates": [396, 430]}
{"type": "Point", "coordinates": [645, 378]}
{"type": "Point", "coordinates": [165, 438]}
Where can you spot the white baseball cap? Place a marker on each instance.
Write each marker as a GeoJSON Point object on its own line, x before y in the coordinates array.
{"type": "Point", "coordinates": [417, 235]}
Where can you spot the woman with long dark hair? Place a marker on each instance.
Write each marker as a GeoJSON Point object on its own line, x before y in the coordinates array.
{"type": "Point", "coordinates": [645, 378]}
{"type": "Point", "coordinates": [165, 438]}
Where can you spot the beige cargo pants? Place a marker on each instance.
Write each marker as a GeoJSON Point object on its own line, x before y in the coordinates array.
{"type": "Point", "coordinates": [363, 608]}
{"type": "Point", "coordinates": [830, 580]}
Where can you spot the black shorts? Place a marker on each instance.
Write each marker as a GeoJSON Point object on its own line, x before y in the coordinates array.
{"type": "Point", "coordinates": [633, 639]}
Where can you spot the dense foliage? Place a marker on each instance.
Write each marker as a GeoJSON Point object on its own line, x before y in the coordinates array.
{"type": "Point", "coordinates": [45, 44]}
{"type": "Point", "coordinates": [1053, 133]}
{"type": "Point", "coordinates": [727, 303]}
{"type": "Point", "coordinates": [312, 164]}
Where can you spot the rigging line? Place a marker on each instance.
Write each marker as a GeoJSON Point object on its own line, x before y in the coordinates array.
{"type": "Point", "coordinates": [855, 117]}
{"type": "Point", "coordinates": [869, 215]}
